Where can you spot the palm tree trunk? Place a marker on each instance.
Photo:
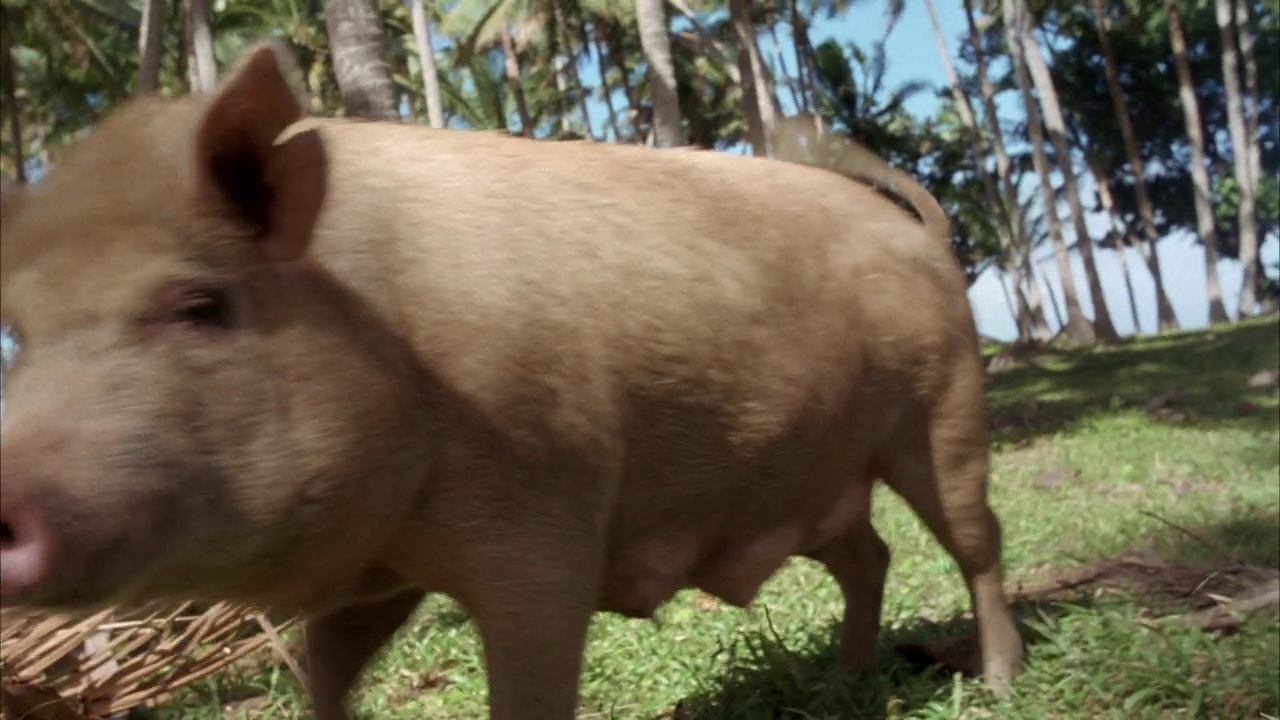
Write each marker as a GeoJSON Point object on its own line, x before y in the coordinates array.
{"type": "Point", "coordinates": [1205, 226]}
{"type": "Point", "coordinates": [1056, 125]}
{"type": "Point", "coordinates": [1247, 217]}
{"type": "Point", "coordinates": [1078, 328]}
{"type": "Point", "coordinates": [804, 56]}
{"type": "Point", "coordinates": [1244, 26]}
{"type": "Point", "coordinates": [357, 44]}
{"type": "Point", "coordinates": [511, 68]}
{"type": "Point", "coordinates": [752, 106]}
{"type": "Point", "coordinates": [605, 88]}
{"type": "Point", "coordinates": [1004, 171]}
{"type": "Point", "coordinates": [150, 45]}
{"type": "Point", "coordinates": [1122, 236]}
{"type": "Point", "coordinates": [203, 67]}
{"type": "Point", "coordinates": [1166, 318]}
{"type": "Point", "coordinates": [782, 64]}
{"type": "Point", "coordinates": [655, 40]}
{"type": "Point", "coordinates": [619, 58]}
{"type": "Point", "coordinates": [427, 61]}
{"type": "Point", "coordinates": [977, 146]}
{"type": "Point", "coordinates": [11, 101]}
{"type": "Point", "coordinates": [569, 64]}
{"type": "Point", "coordinates": [1054, 302]}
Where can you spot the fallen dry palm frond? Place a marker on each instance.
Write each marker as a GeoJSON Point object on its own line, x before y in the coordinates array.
{"type": "Point", "coordinates": [60, 667]}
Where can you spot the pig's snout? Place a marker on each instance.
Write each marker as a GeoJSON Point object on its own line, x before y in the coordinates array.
{"type": "Point", "coordinates": [26, 549]}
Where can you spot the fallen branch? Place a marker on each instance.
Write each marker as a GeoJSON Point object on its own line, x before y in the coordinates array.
{"type": "Point", "coordinates": [1230, 614]}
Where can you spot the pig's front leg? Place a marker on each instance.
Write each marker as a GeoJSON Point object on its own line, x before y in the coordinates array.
{"type": "Point", "coordinates": [532, 614]}
{"type": "Point", "coordinates": [339, 645]}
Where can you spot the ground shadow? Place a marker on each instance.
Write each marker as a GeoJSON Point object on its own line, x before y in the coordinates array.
{"type": "Point", "coordinates": [767, 678]}
{"type": "Point", "coordinates": [1208, 379]}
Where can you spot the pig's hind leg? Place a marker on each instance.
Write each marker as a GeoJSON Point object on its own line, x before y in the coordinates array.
{"type": "Point", "coordinates": [340, 644]}
{"type": "Point", "coordinates": [941, 470]}
{"type": "Point", "coordinates": [859, 561]}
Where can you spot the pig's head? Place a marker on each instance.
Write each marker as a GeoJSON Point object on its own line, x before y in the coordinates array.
{"type": "Point", "coordinates": [149, 444]}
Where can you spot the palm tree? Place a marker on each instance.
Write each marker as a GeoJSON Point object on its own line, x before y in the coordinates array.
{"type": "Point", "coordinates": [748, 64]}
{"type": "Point", "coordinates": [1078, 328]}
{"type": "Point", "coordinates": [1054, 122]}
{"type": "Point", "coordinates": [1205, 226]}
{"type": "Point", "coordinates": [1004, 228]}
{"type": "Point", "coordinates": [1166, 318]}
{"type": "Point", "coordinates": [357, 46]}
{"type": "Point", "coordinates": [150, 45]}
{"type": "Point", "coordinates": [202, 66]}
{"type": "Point", "coordinates": [655, 39]}
{"type": "Point", "coordinates": [1004, 171]}
{"type": "Point", "coordinates": [427, 61]}
{"type": "Point", "coordinates": [1247, 217]}
{"type": "Point", "coordinates": [1117, 237]}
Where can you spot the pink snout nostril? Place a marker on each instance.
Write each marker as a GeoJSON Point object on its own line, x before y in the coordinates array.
{"type": "Point", "coordinates": [26, 548]}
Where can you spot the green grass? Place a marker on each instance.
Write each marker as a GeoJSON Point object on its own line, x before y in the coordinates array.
{"type": "Point", "coordinates": [1082, 470]}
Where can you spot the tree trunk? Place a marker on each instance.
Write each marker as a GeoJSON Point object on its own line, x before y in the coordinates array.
{"type": "Point", "coordinates": [1244, 27]}
{"type": "Point", "coordinates": [752, 104]}
{"type": "Point", "coordinates": [605, 88]}
{"type": "Point", "coordinates": [1078, 327]}
{"type": "Point", "coordinates": [1104, 329]}
{"type": "Point", "coordinates": [624, 77]}
{"type": "Point", "coordinates": [427, 61]}
{"type": "Point", "coordinates": [1167, 319]}
{"type": "Point", "coordinates": [1247, 218]}
{"type": "Point", "coordinates": [357, 45]}
{"type": "Point", "coordinates": [655, 40]}
{"type": "Point", "coordinates": [150, 45]}
{"type": "Point", "coordinates": [1117, 226]}
{"type": "Point", "coordinates": [203, 66]}
{"type": "Point", "coordinates": [782, 64]}
{"type": "Point", "coordinates": [569, 64]}
{"type": "Point", "coordinates": [1205, 227]}
{"type": "Point", "coordinates": [1054, 302]}
{"type": "Point", "coordinates": [10, 80]}
{"type": "Point", "coordinates": [511, 68]}
{"type": "Point", "coordinates": [977, 147]}
{"type": "Point", "coordinates": [1012, 208]}
{"type": "Point", "coordinates": [804, 56]}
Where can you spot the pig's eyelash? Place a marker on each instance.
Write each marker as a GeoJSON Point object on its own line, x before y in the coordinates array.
{"type": "Point", "coordinates": [206, 307]}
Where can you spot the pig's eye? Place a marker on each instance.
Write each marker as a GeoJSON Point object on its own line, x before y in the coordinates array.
{"type": "Point", "coordinates": [206, 308]}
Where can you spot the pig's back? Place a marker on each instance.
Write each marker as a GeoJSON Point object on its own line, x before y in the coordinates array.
{"type": "Point", "coordinates": [587, 281]}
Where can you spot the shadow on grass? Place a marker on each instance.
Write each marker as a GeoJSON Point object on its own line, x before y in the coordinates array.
{"type": "Point", "coordinates": [1199, 379]}
{"type": "Point", "coordinates": [767, 678]}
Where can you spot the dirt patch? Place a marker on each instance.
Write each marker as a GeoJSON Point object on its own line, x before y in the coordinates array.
{"type": "Point", "coordinates": [1166, 591]}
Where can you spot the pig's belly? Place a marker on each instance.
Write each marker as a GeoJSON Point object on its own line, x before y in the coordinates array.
{"type": "Point", "coordinates": [720, 555]}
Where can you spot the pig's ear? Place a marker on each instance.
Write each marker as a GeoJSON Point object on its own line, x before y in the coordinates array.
{"type": "Point", "coordinates": [274, 188]}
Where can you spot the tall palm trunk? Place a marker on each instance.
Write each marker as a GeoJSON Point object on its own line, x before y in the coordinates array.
{"type": "Point", "coordinates": [613, 42]}
{"type": "Point", "coordinates": [1004, 171]}
{"type": "Point", "coordinates": [1205, 226]}
{"type": "Point", "coordinates": [150, 45]}
{"type": "Point", "coordinates": [605, 88]}
{"type": "Point", "coordinates": [1122, 236]}
{"type": "Point", "coordinates": [979, 149]}
{"type": "Point", "coordinates": [1078, 327]}
{"type": "Point", "coordinates": [655, 40]}
{"type": "Point", "coordinates": [1166, 318]}
{"type": "Point", "coordinates": [357, 44]}
{"type": "Point", "coordinates": [1056, 125]}
{"type": "Point", "coordinates": [569, 64]}
{"type": "Point", "coordinates": [1244, 26]}
{"type": "Point", "coordinates": [202, 66]}
{"type": "Point", "coordinates": [427, 60]}
{"type": "Point", "coordinates": [804, 56]}
{"type": "Point", "coordinates": [753, 106]}
{"type": "Point", "coordinates": [1247, 218]}
{"type": "Point", "coordinates": [10, 81]}
{"type": "Point", "coordinates": [511, 69]}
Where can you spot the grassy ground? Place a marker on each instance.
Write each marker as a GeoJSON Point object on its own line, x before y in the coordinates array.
{"type": "Point", "coordinates": [1127, 452]}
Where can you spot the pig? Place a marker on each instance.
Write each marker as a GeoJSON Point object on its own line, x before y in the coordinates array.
{"type": "Point", "coordinates": [329, 366]}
